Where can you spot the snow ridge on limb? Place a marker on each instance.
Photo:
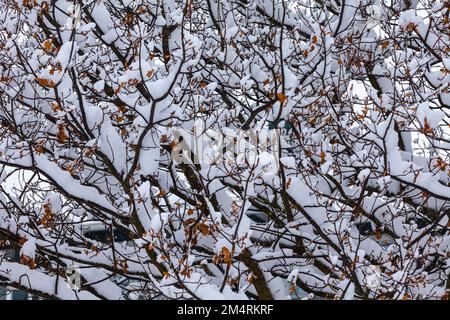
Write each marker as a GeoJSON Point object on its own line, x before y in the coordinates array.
{"type": "Point", "coordinates": [193, 149]}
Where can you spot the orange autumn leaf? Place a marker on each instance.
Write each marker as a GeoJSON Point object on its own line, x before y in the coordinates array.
{"type": "Point", "coordinates": [123, 131]}
{"type": "Point", "coordinates": [226, 254]}
{"type": "Point", "coordinates": [203, 229]}
{"type": "Point", "coordinates": [129, 19]}
{"type": "Point", "coordinates": [70, 169]}
{"type": "Point", "coordinates": [44, 6]}
{"type": "Point", "coordinates": [46, 83]}
{"type": "Point", "coordinates": [56, 107]}
{"type": "Point", "coordinates": [293, 288]}
{"type": "Point", "coordinates": [133, 82]}
{"type": "Point", "coordinates": [308, 153]}
{"type": "Point", "coordinates": [411, 27]}
{"type": "Point", "coordinates": [61, 135]}
{"type": "Point", "coordinates": [426, 127]}
{"type": "Point", "coordinates": [322, 157]}
{"type": "Point", "coordinates": [189, 221]}
{"type": "Point", "coordinates": [47, 44]}
{"type": "Point", "coordinates": [47, 218]}
{"type": "Point", "coordinates": [39, 149]}
{"type": "Point", "coordinates": [186, 272]}
{"type": "Point", "coordinates": [28, 261]}
{"type": "Point", "coordinates": [122, 108]}
{"type": "Point", "coordinates": [281, 97]}
{"type": "Point", "coordinates": [173, 144]}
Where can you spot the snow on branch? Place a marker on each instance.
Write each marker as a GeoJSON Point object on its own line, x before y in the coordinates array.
{"type": "Point", "coordinates": [206, 149]}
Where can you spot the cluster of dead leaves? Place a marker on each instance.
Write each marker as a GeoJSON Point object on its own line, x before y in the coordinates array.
{"type": "Point", "coordinates": [46, 82]}
{"type": "Point", "coordinates": [281, 97]}
{"type": "Point", "coordinates": [48, 217]}
{"type": "Point", "coordinates": [426, 127]}
{"type": "Point", "coordinates": [224, 256]}
{"type": "Point", "coordinates": [28, 261]}
{"type": "Point", "coordinates": [48, 47]}
{"type": "Point", "coordinates": [62, 135]}
{"type": "Point", "coordinates": [440, 164]}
